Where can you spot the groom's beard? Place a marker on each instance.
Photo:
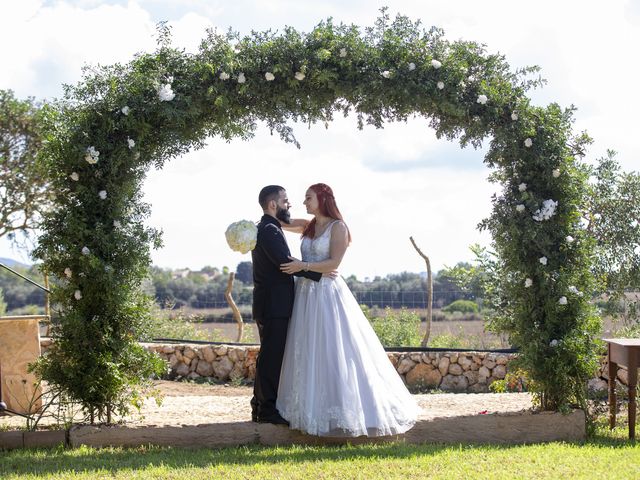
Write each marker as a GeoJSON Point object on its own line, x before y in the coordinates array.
{"type": "Point", "coordinates": [283, 215]}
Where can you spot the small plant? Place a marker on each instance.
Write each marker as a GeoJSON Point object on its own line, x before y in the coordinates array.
{"type": "Point", "coordinates": [397, 328]}
{"type": "Point", "coordinates": [517, 381]}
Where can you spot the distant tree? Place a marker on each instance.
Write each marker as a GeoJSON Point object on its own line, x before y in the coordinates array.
{"type": "Point", "coordinates": [244, 272]}
{"type": "Point", "coordinates": [3, 305]}
{"type": "Point", "coordinates": [612, 217]}
{"type": "Point", "coordinates": [23, 187]}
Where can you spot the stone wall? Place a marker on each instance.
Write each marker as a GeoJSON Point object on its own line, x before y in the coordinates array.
{"type": "Point", "coordinates": [470, 372]}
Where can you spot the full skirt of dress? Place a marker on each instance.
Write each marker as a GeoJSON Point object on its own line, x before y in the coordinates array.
{"type": "Point", "coordinates": [336, 378]}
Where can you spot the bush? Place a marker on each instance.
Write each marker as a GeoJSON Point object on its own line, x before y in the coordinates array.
{"type": "Point", "coordinates": [3, 304]}
{"type": "Point", "coordinates": [396, 328]}
{"type": "Point", "coordinates": [462, 306]}
{"type": "Point", "coordinates": [178, 325]}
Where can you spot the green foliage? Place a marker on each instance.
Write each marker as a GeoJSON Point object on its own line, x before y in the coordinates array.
{"type": "Point", "coordinates": [612, 216]}
{"type": "Point", "coordinates": [462, 306]}
{"type": "Point", "coordinates": [177, 325]}
{"type": "Point", "coordinates": [3, 304]}
{"type": "Point", "coordinates": [396, 328]}
{"type": "Point", "coordinates": [389, 72]}
{"type": "Point", "coordinates": [513, 382]}
{"type": "Point", "coordinates": [24, 192]}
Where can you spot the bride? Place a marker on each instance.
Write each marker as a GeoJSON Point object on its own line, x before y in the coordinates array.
{"type": "Point", "coordinates": [336, 378]}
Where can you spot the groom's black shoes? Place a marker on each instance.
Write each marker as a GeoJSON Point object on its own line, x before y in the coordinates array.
{"type": "Point", "coordinates": [276, 419]}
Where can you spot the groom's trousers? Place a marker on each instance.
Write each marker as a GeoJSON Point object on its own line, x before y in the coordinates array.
{"type": "Point", "coordinates": [273, 336]}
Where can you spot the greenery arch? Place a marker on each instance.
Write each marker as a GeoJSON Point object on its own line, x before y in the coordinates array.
{"type": "Point", "coordinates": [123, 119]}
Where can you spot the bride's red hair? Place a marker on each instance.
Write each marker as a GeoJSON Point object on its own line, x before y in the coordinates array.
{"type": "Point", "coordinates": [327, 206]}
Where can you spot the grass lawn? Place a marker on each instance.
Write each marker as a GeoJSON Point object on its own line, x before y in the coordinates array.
{"type": "Point", "coordinates": [608, 455]}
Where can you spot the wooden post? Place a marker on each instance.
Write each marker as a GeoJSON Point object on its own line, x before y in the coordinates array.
{"type": "Point", "coordinates": [425, 340]}
{"type": "Point", "coordinates": [234, 307]}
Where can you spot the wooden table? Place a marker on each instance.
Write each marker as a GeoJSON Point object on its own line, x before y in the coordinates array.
{"type": "Point", "coordinates": [624, 352]}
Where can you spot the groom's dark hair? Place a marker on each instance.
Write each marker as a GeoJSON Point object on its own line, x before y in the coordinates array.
{"type": "Point", "coordinates": [268, 193]}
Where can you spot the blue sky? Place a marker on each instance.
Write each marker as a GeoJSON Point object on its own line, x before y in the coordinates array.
{"type": "Point", "coordinates": [389, 183]}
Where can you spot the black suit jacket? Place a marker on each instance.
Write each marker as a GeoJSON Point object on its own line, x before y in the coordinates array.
{"type": "Point", "coordinates": [273, 289]}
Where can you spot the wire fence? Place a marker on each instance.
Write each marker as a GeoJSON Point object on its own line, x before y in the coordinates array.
{"type": "Point", "coordinates": [415, 299]}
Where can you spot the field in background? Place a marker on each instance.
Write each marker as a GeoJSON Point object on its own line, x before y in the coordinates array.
{"type": "Point", "coordinates": [447, 331]}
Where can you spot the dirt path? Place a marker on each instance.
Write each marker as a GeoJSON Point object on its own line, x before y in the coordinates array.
{"type": "Point", "coordinates": [186, 403]}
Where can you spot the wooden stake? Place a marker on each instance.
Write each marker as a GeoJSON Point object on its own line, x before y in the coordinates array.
{"type": "Point", "coordinates": [234, 307]}
{"type": "Point", "coordinates": [425, 340]}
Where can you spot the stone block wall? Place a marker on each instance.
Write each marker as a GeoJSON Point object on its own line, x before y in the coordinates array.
{"type": "Point", "coordinates": [470, 372]}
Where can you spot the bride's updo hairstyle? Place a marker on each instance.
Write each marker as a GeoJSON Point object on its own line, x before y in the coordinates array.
{"type": "Point", "coordinates": [327, 206]}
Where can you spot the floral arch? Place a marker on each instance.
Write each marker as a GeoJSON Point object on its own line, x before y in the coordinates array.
{"type": "Point", "coordinates": [123, 119]}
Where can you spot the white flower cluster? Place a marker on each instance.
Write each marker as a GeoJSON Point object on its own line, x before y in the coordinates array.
{"type": "Point", "coordinates": [386, 74]}
{"type": "Point", "coordinates": [343, 52]}
{"type": "Point", "coordinates": [528, 143]}
{"type": "Point", "coordinates": [436, 64]}
{"type": "Point", "coordinates": [440, 85]}
{"type": "Point", "coordinates": [92, 155]}
{"type": "Point", "coordinates": [131, 142]}
{"type": "Point", "coordinates": [299, 76]}
{"type": "Point", "coordinates": [270, 77]}
{"type": "Point", "coordinates": [242, 236]}
{"type": "Point", "coordinates": [241, 78]}
{"type": "Point", "coordinates": [482, 99]}
{"type": "Point", "coordinates": [575, 291]}
{"type": "Point", "coordinates": [165, 92]}
{"type": "Point", "coordinates": [528, 282]}
{"type": "Point", "coordinates": [547, 211]}
{"type": "Point", "coordinates": [411, 66]}
{"type": "Point", "coordinates": [224, 76]}
{"type": "Point", "coordinates": [74, 176]}
{"type": "Point", "coordinates": [125, 110]}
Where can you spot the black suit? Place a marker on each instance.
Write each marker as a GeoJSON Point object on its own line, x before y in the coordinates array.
{"type": "Point", "coordinates": [273, 293]}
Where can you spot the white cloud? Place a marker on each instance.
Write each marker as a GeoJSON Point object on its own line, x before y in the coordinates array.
{"type": "Point", "coordinates": [390, 183]}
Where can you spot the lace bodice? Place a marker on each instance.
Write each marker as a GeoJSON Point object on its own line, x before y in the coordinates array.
{"type": "Point", "coordinates": [317, 249]}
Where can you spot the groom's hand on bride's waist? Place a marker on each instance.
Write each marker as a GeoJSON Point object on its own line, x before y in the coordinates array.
{"type": "Point", "coordinates": [333, 274]}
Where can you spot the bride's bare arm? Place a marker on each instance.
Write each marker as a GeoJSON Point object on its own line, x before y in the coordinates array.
{"type": "Point", "coordinates": [297, 225]}
{"type": "Point", "coordinates": [337, 248]}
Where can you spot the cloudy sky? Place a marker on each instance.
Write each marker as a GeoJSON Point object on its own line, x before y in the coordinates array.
{"type": "Point", "coordinates": [389, 183]}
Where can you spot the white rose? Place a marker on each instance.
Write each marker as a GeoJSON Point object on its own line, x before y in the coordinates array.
{"type": "Point", "coordinates": [343, 52]}
{"type": "Point", "coordinates": [224, 76]}
{"type": "Point", "coordinates": [528, 142]}
{"type": "Point", "coordinates": [242, 236]}
{"type": "Point", "coordinates": [299, 76]}
{"type": "Point", "coordinates": [86, 251]}
{"type": "Point", "coordinates": [131, 142]}
{"type": "Point", "coordinates": [125, 110]}
{"type": "Point", "coordinates": [67, 272]}
{"type": "Point", "coordinates": [77, 294]}
{"type": "Point", "coordinates": [440, 85]}
{"type": "Point", "coordinates": [412, 66]}
{"type": "Point", "coordinates": [556, 173]}
{"type": "Point", "coordinates": [553, 343]}
{"type": "Point", "coordinates": [241, 78]}
{"type": "Point", "coordinates": [543, 260]}
{"type": "Point", "coordinates": [522, 187]}
{"type": "Point", "coordinates": [436, 64]}
{"type": "Point", "coordinates": [102, 194]}
{"type": "Point", "coordinates": [92, 155]}
{"type": "Point", "coordinates": [386, 74]}
{"type": "Point", "coordinates": [574, 290]}
{"type": "Point", "coordinates": [117, 224]}
{"type": "Point", "coordinates": [482, 99]}
{"type": "Point", "coordinates": [75, 177]}
{"type": "Point", "coordinates": [165, 93]}
{"type": "Point", "coordinates": [514, 116]}
{"type": "Point", "coordinates": [269, 76]}
{"type": "Point", "coordinates": [562, 301]}
{"type": "Point", "coordinates": [520, 208]}
{"type": "Point", "coordinates": [528, 282]}
{"type": "Point", "coordinates": [569, 239]}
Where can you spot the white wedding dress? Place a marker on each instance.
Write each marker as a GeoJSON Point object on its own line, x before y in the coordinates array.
{"type": "Point", "coordinates": [336, 379]}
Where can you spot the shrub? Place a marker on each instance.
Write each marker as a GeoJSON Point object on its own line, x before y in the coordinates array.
{"type": "Point", "coordinates": [462, 306]}
{"type": "Point", "coordinates": [397, 328]}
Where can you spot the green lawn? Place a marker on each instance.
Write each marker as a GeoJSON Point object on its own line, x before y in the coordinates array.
{"type": "Point", "coordinates": [609, 455]}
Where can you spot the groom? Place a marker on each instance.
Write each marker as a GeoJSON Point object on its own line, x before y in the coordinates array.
{"type": "Point", "coordinates": [273, 293]}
